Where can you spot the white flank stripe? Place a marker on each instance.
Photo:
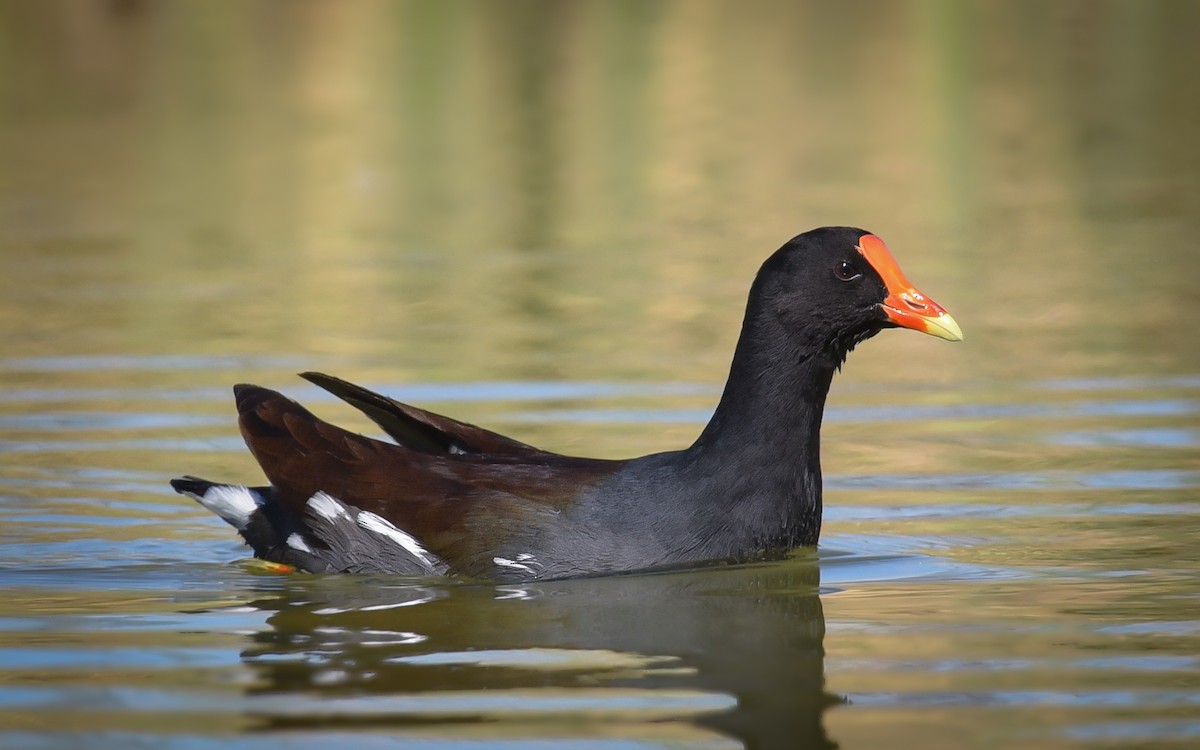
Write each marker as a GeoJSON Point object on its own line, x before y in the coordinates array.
{"type": "Point", "coordinates": [296, 542]}
{"type": "Point", "coordinates": [233, 503]}
{"type": "Point", "coordinates": [506, 563]}
{"type": "Point", "coordinates": [327, 506]}
{"type": "Point", "coordinates": [380, 525]}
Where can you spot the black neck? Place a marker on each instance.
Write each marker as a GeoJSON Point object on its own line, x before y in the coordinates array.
{"type": "Point", "coordinates": [765, 437]}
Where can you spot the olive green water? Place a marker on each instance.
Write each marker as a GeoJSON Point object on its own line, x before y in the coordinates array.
{"type": "Point", "coordinates": [543, 217]}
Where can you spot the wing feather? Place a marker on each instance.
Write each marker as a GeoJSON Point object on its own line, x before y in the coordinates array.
{"type": "Point", "coordinates": [418, 429]}
{"type": "Point", "coordinates": [442, 499]}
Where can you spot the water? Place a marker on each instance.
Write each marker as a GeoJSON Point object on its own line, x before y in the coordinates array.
{"type": "Point", "coordinates": [544, 218]}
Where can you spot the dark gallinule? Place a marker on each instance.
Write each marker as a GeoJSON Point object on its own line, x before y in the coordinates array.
{"type": "Point", "coordinates": [453, 498]}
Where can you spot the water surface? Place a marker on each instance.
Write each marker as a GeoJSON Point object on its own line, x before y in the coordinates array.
{"type": "Point", "coordinates": [544, 219]}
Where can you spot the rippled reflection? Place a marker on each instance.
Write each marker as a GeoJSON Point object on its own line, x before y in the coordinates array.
{"type": "Point", "coordinates": [618, 652]}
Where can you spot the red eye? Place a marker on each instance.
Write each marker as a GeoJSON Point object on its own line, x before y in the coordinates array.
{"type": "Point", "coordinates": [845, 271]}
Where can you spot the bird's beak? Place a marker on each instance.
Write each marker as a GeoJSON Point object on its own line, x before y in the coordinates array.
{"type": "Point", "coordinates": [904, 305]}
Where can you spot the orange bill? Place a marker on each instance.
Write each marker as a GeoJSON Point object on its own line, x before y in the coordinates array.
{"type": "Point", "coordinates": [905, 306]}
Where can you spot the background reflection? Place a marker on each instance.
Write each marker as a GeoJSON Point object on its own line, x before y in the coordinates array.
{"type": "Point", "coordinates": [397, 174]}
{"type": "Point", "coordinates": [543, 218]}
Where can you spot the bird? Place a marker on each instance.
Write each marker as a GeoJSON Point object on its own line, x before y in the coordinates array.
{"type": "Point", "coordinates": [452, 499]}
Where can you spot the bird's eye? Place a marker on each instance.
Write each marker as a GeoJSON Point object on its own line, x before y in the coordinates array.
{"type": "Point", "coordinates": [846, 271]}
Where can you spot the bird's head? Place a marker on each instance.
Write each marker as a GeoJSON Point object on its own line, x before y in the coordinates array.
{"type": "Point", "coordinates": [836, 286]}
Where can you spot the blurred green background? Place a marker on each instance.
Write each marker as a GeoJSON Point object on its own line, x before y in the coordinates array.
{"type": "Point", "coordinates": [584, 189]}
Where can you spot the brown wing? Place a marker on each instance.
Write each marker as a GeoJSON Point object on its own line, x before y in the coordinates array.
{"type": "Point", "coordinates": [460, 507]}
{"type": "Point", "coordinates": [418, 429]}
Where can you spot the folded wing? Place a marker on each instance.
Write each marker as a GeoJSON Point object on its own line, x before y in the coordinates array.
{"type": "Point", "coordinates": [418, 429]}
{"type": "Point", "coordinates": [460, 490]}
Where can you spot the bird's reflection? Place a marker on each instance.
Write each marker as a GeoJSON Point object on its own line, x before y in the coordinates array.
{"type": "Point", "coordinates": [745, 642]}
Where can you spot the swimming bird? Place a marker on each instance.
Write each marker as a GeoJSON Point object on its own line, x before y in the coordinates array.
{"type": "Point", "coordinates": [451, 498]}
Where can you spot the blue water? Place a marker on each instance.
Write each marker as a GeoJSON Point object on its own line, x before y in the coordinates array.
{"type": "Point", "coordinates": [981, 592]}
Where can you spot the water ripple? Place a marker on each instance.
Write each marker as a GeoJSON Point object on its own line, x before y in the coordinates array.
{"type": "Point", "coordinates": [1130, 479]}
